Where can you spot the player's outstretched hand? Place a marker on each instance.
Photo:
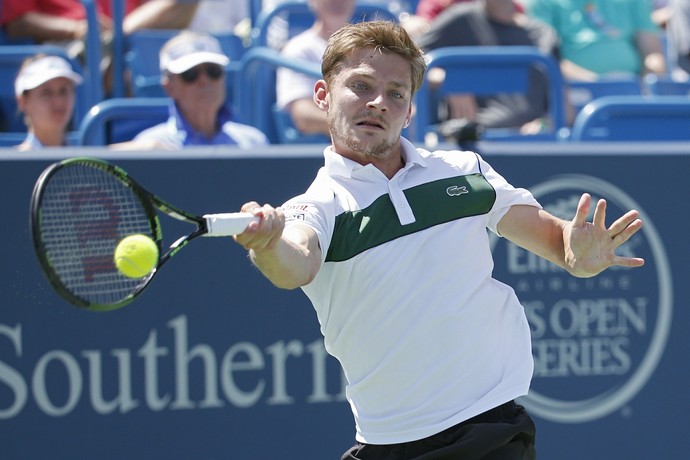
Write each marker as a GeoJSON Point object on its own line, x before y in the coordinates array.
{"type": "Point", "coordinates": [590, 246]}
{"type": "Point", "coordinates": [265, 233]}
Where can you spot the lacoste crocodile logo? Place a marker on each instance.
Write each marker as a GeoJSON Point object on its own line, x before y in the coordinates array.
{"type": "Point", "coordinates": [457, 190]}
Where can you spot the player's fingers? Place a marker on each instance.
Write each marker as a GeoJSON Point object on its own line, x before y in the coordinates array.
{"type": "Point", "coordinates": [251, 207]}
{"type": "Point", "coordinates": [625, 227]}
{"type": "Point", "coordinates": [599, 219]}
{"type": "Point", "coordinates": [624, 221]}
{"type": "Point", "coordinates": [253, 239]}
{"type": "Point", "coordinates": [582, 210]}
{"type": "Point", "coordinates": [268, 231]}
{"type": "Point", "coordinates": [628, 261]}
{"type": "Point", "coordinates": [278, 227]}
{"type": "Point", "coordinates": [252, 235]}
{"type": "Point", "coordinates": [269, 217]}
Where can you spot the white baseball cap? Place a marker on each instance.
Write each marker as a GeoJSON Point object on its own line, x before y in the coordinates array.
{"type": "Point", "coordinates": [42, 70]}
{"type": "Point", "coordinates": [189, 49]}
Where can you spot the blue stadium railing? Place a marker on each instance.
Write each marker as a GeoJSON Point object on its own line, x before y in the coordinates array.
{"type": "Point", "coordinates": [255, 86]}
{"type": "Point", "coordinates": [120, 119]}
{"type": "Point", "coordinates": [92, 71]}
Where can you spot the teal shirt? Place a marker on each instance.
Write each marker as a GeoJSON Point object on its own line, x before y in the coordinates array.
{"type": "Point", "coordinates": [598, 35]}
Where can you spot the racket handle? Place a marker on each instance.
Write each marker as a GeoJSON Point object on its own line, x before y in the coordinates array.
{"type": "Point", "coordinates": [228, 224]}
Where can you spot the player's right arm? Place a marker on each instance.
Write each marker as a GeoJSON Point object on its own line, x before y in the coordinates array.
{"type": "Point", "coordinates": [289, 256]}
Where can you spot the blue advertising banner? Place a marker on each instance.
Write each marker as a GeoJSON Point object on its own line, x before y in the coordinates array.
{"type": "Point", "coordinates": [213, 362]}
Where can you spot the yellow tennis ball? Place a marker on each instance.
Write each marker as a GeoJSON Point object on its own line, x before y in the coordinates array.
{"type": "Point", "coordinates": [136, 256]}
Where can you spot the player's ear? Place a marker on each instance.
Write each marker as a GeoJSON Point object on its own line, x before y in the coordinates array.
{"type": "Point", "coordinates": [321, 95]}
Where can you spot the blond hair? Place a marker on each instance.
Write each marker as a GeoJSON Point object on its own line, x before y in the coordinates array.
{"type": "Point", "coordinates": [384, 36]}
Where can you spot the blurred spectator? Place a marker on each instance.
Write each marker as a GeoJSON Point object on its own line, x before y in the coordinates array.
{"type": "Point", "coordinates": [603, 37]}
{"type": "Point", "coordinates": [278, 32]}
{"type": "Point", "coordinates": [45, 91]}
{"type": "Point", "coordinates": [64, 23]}
{"type": "Point", "coordinates": [661, 12]}
{"type": "Point", "coordinates": [61, 22]}
{"type": "Point", "coordinates": [429, 9]}
{"type": "Point", "coordinates": [679, 38]}
{"type": "Point", "coordinates": [160, 14]}
{"type": "Point", "coordinates": [493, 23]}
{"type": "Point", "coordinates": [222, 16]}
{"type": "Point", "coordinates": [417, 22]}
{"type": "Point", "coordinates": [294, 91]}
{"type": "Point", "coordinates": [193, 75]}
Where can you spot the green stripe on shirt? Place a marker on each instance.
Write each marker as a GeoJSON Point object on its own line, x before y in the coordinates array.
{"type": "Point", "coordinates": [432, 203]}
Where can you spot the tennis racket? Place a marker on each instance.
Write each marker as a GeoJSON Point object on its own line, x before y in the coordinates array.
{"type": "Point", "coordinates": [81, 208]}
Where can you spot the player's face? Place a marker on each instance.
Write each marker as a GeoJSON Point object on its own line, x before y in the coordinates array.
{"type": "Point", "coordinates": [368, 104]}
{"type": "Point", "coordinates": [50, 105]}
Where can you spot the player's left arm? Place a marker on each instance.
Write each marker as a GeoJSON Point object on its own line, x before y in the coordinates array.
{"type": "Point", "coordinates": [583, 248]}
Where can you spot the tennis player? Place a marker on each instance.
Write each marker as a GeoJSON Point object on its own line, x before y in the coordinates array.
{"type": "Point", "coordinates": [390, 245]}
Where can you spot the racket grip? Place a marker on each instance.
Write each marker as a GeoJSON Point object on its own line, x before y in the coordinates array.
{"type": "Point", "coordinates": [228, 224]}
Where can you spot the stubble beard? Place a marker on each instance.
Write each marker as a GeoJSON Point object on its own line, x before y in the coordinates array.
{"type": "Point", "coordinates": [355, 143]}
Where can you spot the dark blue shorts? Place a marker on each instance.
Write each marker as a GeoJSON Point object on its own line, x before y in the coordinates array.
{"type": "Point", "coordinates": [504, 433]}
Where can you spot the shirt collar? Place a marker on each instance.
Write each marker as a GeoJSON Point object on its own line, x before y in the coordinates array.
{"type": "Point", "coordinates": [341, 166]}
{"type": "Point", "coordinates": [33, 142]}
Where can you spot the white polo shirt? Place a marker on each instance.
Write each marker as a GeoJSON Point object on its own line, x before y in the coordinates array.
{"type": "Point", "coordinates": [405, 298]}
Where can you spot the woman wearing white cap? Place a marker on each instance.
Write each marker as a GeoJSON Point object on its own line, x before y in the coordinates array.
{"type": "Point", "coordinates": [45, 91]}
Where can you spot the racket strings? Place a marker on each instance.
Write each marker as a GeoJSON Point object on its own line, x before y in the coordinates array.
{"type": "Point", "coordinates": [85, 211]}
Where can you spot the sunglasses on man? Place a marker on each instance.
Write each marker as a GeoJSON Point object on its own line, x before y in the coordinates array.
{"type": "Point", "coordinates": [213, 71]}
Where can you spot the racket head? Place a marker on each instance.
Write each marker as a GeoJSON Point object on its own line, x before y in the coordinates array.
{"type": "Point", "coordinates": [81, 208]}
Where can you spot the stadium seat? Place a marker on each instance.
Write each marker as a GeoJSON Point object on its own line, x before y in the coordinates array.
{"type": "Point", "coordinates": [288, 134]}
{"type": "Point", "coordinates": [581, 93]}
{"type": "Point", "coordinates": [666, 86]}
{"type": "Point", "coordinates": [120, 119]}
{"type": "Point", "coordinates": [255, 90]}
{"type": "Point", "coordinates": [487, 70]}
{"type": "Point", "coordinates": [298, 17]}
{"type": "Point", "coordinates": [634, 118]}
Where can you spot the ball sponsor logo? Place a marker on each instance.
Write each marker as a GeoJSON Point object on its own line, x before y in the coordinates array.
{"type": "Point", "coordinates": [596, 342]}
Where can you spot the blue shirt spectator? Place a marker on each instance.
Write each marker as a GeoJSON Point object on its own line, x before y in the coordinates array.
{"type": "Point", "coordinates": [193, 75]}
{"type": "Point", "coordinates": [177, 132]}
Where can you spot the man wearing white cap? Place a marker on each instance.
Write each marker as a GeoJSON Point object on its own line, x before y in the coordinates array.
{"type": "Point", "coordinates": [45, 93]}
{"type": "Point", "coordinates": [193, 75]}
